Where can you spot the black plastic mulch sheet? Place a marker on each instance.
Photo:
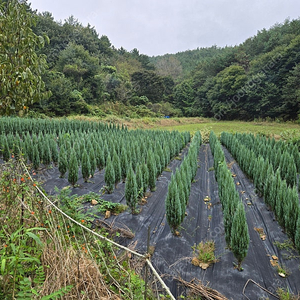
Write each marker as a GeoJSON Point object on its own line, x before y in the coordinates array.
{"type": "Point", "coordinates": [172, 255]}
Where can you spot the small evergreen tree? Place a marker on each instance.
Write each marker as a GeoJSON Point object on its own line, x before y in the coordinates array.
{"type": "Point", "coordinates": [100, 160]}
{"type": "Point", "coordinates": [152, 171]}
{"type": "Point", "coordinates": [85, 166]}
{"type": "Point", "coordinates": [291, 173]}
{"type": "Point", "coordinates": [124, 163]}
{"type": "Point", "coordinates": [281, 202]}
{"type": "Point", "coordinates": [239, 235]}
{"type": "Point", "coordinates": [36, 157]}
{"type": "Point", "coordinates": [297, 235]}
{"type": "Point", "coordinates": [159, 167]}
{"type": "Point", "coordinates": [140, 181]}
{"type": "Point", "coordinates": [185, 186]}
{"type": "Point", "coordinates": [93, 162]}
{"type": "Point", "coordinates": [267, 184]}
{"type": "Point", "coordinates": [182, 199]}
{"type": "Point", "coordinates": [145, 172]}
{"type": "Point", "coordinates": [230, 203]}
{"type": "Point", "coordinates": [29, 148]}
{"type": "Point", "coordinates": [5, 151]}
{"type": "Point", "coordinates": [40, 145]}
{"type": "Point", "coordinates": [162, 157]}
{"type": "Point", "coordinates": [274, 189]}
{"type": "Point", "coordinates": [167, 154]}
{"type": "Point", "coordinates": [79, 151]}
{"type": "Point", "coordinates": [131, 192]}
{"type": "Point", "coordinates": [62, 162]}
{"type": "Point", "coordinates": [291, 212]}
{"type": "Point", "coordinates": [132, 155]}
{"type": "Point", "coordinates": [109, 175]}
{"type": "Point", "coordinates": [117, 168]}
{"type": "Point", "coordinates": [46, 154]}
{"type": "Point", "coordinates": [17, 147]}
{"type": "Point", "coordinates": [73, 168]}
{"type": "Point", "coordinates": [173, 206]}
{"type": "Point", "coordinates": [296, 156]}
{"type": "Point", "coordinates": [54, 151]}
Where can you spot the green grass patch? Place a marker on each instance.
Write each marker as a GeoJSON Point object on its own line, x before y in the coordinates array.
{"type": "Point", "coordinates": [265, 128]}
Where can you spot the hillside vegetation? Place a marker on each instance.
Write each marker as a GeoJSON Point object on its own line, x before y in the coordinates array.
{"type": "Point", "coordinates": [86, 74]}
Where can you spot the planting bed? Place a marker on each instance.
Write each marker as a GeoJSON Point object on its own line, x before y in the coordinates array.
{"type": "Point", "coordinates": [172, 255]}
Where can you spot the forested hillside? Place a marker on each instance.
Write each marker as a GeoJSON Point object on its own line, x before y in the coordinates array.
{"type": "Point", "coordinates": [257, 79]}
{"type": "Point", "coordinates": [86, 74]}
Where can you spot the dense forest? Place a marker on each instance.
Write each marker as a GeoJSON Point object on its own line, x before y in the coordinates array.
{"type": "Point", "coordinates": [85, 74]}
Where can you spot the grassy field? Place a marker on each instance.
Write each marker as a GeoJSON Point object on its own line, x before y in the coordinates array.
{"type": "Point", "coordinates": [205, 125]}
{"type": "Point", "coordinates": [268, 128]}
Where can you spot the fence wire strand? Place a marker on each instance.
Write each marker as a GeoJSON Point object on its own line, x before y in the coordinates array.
{"type": "Point", "coordinates": [85, 267]}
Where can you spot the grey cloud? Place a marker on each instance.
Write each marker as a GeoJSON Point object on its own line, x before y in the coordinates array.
{"type": "Point", "coordinates": [159, 27]}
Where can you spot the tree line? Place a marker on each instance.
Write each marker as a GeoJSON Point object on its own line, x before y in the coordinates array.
{"type": "Point", "coordinates": [62, 68]}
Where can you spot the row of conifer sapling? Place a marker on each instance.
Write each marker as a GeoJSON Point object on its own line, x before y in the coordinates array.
{"type": "Point", "coordinates": [22, 126]}
{"type": "Point", "coordinates": [235, 223]}
{"type": "Point", "coordinates": [115, 149]}
{"type": "Point", "coordinates": [279, 195]}
{"type": "Point", "coordinates": [180, 186]}
{"type": "Point", "coordinates": [117, 166]}
{"type": "Point", "coordinates": [144, 177]}
{"type": "Point", "coordinates": [280, 154]}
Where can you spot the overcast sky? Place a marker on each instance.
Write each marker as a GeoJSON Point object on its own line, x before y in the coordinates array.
{"type": "Point", "coordinates": [157, 27]}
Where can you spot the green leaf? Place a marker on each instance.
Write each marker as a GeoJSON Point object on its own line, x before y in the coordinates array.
{"type": "Point", "coordinates": [13, 247]}
{"type": "Point", "coordinates": [35, 237]}
{"type": "Point", "coordinates": [3, 265]}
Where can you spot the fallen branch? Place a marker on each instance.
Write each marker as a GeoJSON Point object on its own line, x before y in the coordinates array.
{"type": "Point", "coordinates": [255, 283]}
{"type": "Point", "coordinates": [198, 289]}
{"type": "Point", "coordinates": [113, 229]}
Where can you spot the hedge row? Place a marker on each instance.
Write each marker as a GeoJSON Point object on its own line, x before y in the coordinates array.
{"type": "Point", "coordinates": [180, 185]}
{"type": "Point", "coordinates": [281, 155]}
{"type": "Point", "coordinates": [279, 195]}
{"type": "Point", "coordinates": [236, 228]}
{"type": "Point", "coordinates": [36, 126]}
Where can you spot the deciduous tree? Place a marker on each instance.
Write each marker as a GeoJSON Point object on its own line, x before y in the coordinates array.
{"type": "Point", "coordinates": [21, 67]}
